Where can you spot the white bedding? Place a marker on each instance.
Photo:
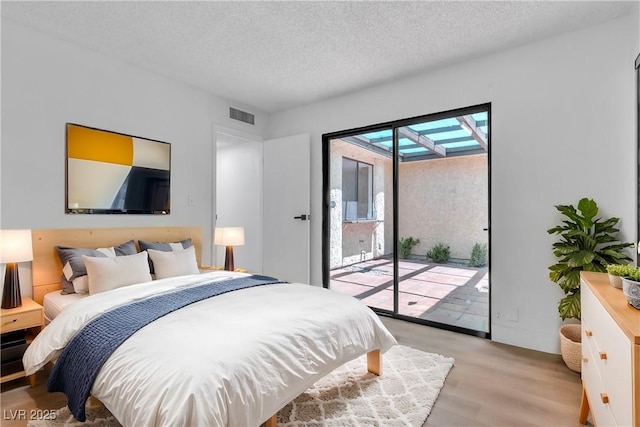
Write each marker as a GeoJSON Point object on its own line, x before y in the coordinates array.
{"type": "Point", "coordinates": [231, 360]}
{"type": "Point", "coordinates": [55, 302]}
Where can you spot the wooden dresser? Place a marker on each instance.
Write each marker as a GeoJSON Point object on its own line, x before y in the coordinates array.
{"type": "Point", "coordinates": [610, 354]}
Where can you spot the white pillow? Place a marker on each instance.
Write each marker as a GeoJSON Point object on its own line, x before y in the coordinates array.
{"type": "Point", "coordinates": [174, 263]}
{"type": "Point", "coordinates": [81, 284]}
{"type": "Point", "coordinates": [111, 273]}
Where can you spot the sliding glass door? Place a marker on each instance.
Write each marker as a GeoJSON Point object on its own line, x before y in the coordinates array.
{"type": "Point", "coordinates": [406, 218]}
{"type": "Point", "coordinates": [443, 208]}
{"type": "Point", "coordinates": [360, 214]}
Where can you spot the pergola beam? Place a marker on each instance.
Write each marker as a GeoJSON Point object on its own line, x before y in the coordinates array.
{"type": "Point", "coordinates": [469, 123]}
{"type": "Point", "coordinates": [364, 143]}
{"type": "Point", "coordinates": [450, 154]}
{"type": "Point", "coordinates": [422, 140]}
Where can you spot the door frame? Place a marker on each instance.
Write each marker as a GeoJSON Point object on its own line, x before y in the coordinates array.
{"type": "Point", "coordinates": [217, 132]}
{"type": "Point", "coordinates": [326, 207]}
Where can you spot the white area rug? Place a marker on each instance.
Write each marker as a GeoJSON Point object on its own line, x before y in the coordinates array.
{"type": "Point", "coordinates": [350, 396]}
{"type": "Point", "coordinates": [403, 396]}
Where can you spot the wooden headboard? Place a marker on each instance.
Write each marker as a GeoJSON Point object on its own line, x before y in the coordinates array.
{"type": "Point", "coordinates": [46, 266]}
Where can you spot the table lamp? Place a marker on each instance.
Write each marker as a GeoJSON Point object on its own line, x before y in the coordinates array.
{"type": "Point", "coordinates": [229, 237]}
{"type": "Point", "coordinates": [15, 247]}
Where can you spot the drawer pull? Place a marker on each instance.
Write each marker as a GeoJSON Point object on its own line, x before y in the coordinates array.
{"type": "Point", "coordinates": [604, 397]}
{"type": "Point", "coordinates": [588, 333]}
{"type": "Point", "coordinates": [603, 355]}
{"type": "Point", "coordinates": [12, 321]}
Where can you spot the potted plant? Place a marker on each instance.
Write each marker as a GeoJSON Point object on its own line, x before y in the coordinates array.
{"type": "Point", "coordinates": [631, 287]}
{"type": "Point", "coordinates": [616, 271]}
{"type": "Point", "coordinates": [585, 243]}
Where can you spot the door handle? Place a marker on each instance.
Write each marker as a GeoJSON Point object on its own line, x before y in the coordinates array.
{"type": "Point", "coordinates": [303, 217]}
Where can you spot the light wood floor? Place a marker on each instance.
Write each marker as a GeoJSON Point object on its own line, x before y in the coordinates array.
{"type": "Point", "coordinates": [490, 384]}
{"type": "Point", "coordinates": [493, 384]}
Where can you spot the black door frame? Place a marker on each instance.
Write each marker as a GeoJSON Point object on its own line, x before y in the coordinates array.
{"type": "Point", "coordinates": [326, 205]}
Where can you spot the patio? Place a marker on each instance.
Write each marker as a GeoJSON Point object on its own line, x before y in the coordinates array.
{"type": "Point", "coordinates": [445, 293]}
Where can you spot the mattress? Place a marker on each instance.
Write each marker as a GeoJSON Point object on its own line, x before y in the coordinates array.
{"type": "Point", "coordinates": [55, 302]}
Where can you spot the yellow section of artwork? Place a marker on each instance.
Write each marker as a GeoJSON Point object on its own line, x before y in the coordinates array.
{"type": "Point", "coordinates": [101, 146]}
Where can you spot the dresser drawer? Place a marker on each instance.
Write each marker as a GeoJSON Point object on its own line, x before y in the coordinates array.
{"type": "Point", "coordinates": [594, 386]}
{"type": "Point", "coordinates": [615, 370]}
{"type": "Point", "coordinates": [592, 332]}
{"type": "Point", "coordinates": [592, 311]}
{"type": "Point", "coordinates": [590, 347]}
{"type": "Point", "coordinates": [27, 319]}
{"type": "Point", "coordinates": [591, 375]}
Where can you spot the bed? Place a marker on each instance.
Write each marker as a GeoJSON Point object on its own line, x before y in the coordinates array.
{"type": "Point", "coordinates": [231, 360]}
{"type": "Point", "coordinates": [54, 302]}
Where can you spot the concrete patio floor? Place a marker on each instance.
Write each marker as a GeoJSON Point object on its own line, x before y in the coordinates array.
{"type": "Point", "coordinates": [444, 293]}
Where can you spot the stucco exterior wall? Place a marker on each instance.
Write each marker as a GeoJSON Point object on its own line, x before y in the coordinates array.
{"type": "Point", "coordinates": [352, 242]}
{"type": "Point", "coordinates": [444, 200]}
{"type": "Point", "coordinates": [441, 200]}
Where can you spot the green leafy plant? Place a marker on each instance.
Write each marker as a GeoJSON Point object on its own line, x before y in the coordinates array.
{"type": "Point", "coordinates": [478, 255]}
{"type": "Point", "coordinates": [440, 253]}
{"type": "Point", "coordinates": [406, 245]}
{"type": "Point", "coordinates": [586, 243]}
{"type": "Point", "coordinates": [632, 274]}
{"type": "Point", "coordinates": [620, 269]}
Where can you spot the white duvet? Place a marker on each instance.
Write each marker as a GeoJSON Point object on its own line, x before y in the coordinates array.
{"type": "Point", "coordinates": [231, 360]}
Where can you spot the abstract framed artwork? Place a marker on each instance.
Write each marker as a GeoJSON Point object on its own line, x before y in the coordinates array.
{"type": "Point", "coordinates": [114, 173]}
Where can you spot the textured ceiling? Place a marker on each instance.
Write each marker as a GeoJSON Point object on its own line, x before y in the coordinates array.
{"type": "Point", "coordinates": [279, 55]}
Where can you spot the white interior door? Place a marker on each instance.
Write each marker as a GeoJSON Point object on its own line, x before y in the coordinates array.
{"type": "Point", "coordinates": [286, 220]}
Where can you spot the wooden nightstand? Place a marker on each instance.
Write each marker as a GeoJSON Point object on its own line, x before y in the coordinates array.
{"type": "Point", "coordinates": [28, 317]}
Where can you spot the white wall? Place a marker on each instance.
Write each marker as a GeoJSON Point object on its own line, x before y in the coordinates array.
{"type": "Point", "coordinates": [563, 127]}
{"type": "Point", "coordinates": [47, 82]}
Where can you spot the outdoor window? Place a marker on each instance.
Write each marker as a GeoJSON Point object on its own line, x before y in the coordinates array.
{"type": "Point", "coordinates": [357, 190]}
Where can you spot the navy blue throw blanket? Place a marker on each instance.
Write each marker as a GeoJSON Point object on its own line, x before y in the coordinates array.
{"type": "Point", "coordinates": [77, 367]}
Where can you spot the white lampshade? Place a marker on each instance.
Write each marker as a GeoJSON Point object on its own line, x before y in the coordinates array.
{"type": "Point", "coordinates": [229, 236]}
{"type": "Point", "coordinates": [15, 246]}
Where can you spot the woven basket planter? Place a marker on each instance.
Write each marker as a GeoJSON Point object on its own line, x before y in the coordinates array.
{"type": "Point", "coordinates": [571, 346]}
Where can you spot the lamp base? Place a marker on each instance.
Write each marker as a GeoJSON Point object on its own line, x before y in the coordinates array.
{"type": "Point", "coordinates": [11, 297]}
{"type": "Point", "coordinates": [228, 259]}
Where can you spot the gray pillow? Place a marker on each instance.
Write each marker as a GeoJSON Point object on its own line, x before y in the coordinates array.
{"type": "Point", "coordinates": [73, 264]}
{"type": "Point", "coordinates": [67, 286]}
{"type": "Point", "coordinates": [162, 246]}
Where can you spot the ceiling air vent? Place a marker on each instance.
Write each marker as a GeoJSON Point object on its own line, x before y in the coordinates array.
{"type": "Point", "coordinates": [243, 116]}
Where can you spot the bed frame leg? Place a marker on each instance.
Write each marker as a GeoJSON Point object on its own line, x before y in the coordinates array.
{"type": "Point", "coordinates": [93, 402]}
{"type": "Point", "coordinates": [374, 362]}
{"type": "Point", "coordinates": [272, 422]}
